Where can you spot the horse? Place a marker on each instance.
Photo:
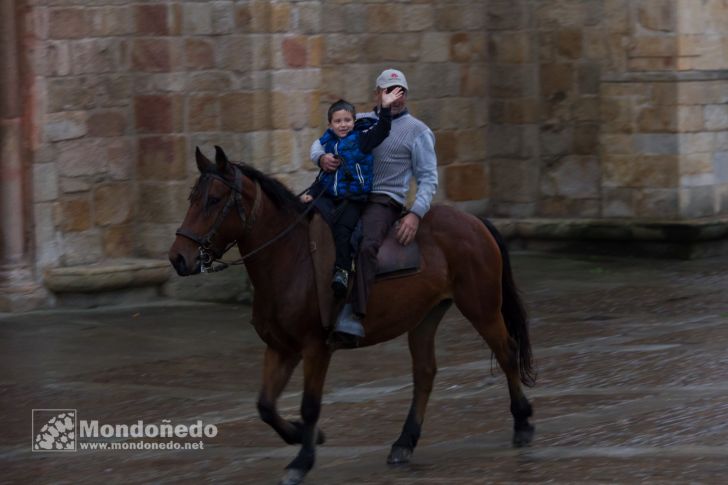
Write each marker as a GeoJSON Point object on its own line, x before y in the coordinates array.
{"type": "Point", "coordinates": [463, 260]}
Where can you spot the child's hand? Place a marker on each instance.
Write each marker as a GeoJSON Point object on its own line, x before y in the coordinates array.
{"type": "Point", "coordinates": [389, 98]}
{"type": "Point", "coordinates": [306, 198]}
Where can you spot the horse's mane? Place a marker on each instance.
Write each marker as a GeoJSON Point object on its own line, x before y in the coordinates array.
{"type": "Point", "coordinates": [278, 193]}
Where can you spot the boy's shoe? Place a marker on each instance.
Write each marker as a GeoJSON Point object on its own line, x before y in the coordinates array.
{"type": "Point", "coordinates": [340, 282]}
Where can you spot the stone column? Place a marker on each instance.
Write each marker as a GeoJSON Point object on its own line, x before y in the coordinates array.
{"type": "Point", "coordinates": [17, 285]}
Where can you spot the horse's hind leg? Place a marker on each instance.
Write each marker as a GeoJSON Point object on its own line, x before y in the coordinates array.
{"type": "Point", "coordinates": [424, 368]}
{"type": "Point", "coordinates": [487, 319]}
{"type": "Point", "coordinates": [277, 370]}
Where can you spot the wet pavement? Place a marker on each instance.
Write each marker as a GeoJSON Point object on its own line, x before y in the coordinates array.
{"type": "Point", "coordinates": [632, 358]}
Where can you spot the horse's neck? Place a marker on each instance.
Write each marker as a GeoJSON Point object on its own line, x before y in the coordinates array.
{"type": "Point", "coordinates": [283, 261]}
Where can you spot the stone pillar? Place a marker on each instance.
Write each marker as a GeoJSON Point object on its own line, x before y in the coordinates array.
{"type": "Point", "coordinates": [17, 285]}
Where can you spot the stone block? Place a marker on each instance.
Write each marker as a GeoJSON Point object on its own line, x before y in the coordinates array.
{"type": "Point", "coordinates": [574, 177]}
{"type": "Point", "coordinates": [466, 182]}
{"type": "Point", "coordinates": [571, 208]}
{"type": "Point", "coordinates": [514, 180]}
{"type": "Point", "coordinates": [513, 81]}
{"type": "Point", "coordinates": [589, 78]}
{"type": "Point", "coordinates": [252, 16]}
{"type": "Point", "coordinates": [107, 123]}
{"type": "Point", "coordinates": [245, 111]}
{"type": "Point", "coordinates": [386, 17]}
{"type": "Point", "coordinates": [657, 203]}
{"type": "Point", "coordinates": [510, 47]}
{"type": "Point", "coordinates": [96, 56]}
{"type": "Point", "coordinates": [418, 18]}
{"type": "Point", "coordinates": [657, 144]}
{"type": "Point", "coordinates": [505, 15]}
{"type": "Point", "coordinates": [720, 166]}
{"type": "Point", "coordinates": [223, 17]}
{"type": "Point", "coordinates": [556, 140]}
{"type": "Point", "coordinates": [617, 115]}
{"type": "Point", "coordinates": [562, 14]}
{"type": "Point", "coordinates": [586, 108]}
{"type": "Point", "coordinates": [378, 48]}
{"type": "Point", "coordinates": [660, 119]}
{"type": "Point", "coordinates": [512, 141]}
{"type": "Point", "coordinates": [556, 79]}
{"type": "Point", "coordinates": [290, 110]}
{"type": "Point", "coordinates": [47, 243]}
{"type": "Point", "coordinates": [197, 18]}
{"type": "Point", "coordinates": [435, 47]}
{"type": "Point", "coordinates": [310, 17]}
{"type": "Point", "coordinates": [696, 164]}
{"type": "Point", "coordinates": [653, 46]}
{"type": "Point", "coordinates": [74, 213]}
{"type": "Point", "coordinates": [467, 47]}
{"type": "Point", "coordinates": [696, 142]}
{"type": "Point", "coordinates": [471, 145]}
{"type": "Point", "coordinates": [697, 201]}
{"type": "Point", "coordinates": [66, 125]}
{"type": "Point", "coordinates": [618, 202]}
{"type": "Point", "coordinates": [284, 153]}
{"type": "Point", "coordinates": [315, 46]}
{"type": "Point", "coordinates": [159, 114]}
{"type": "Point", "coordinates": [118, 241]}
{"type": "Point", "coordinates": [113, 204]}
{"type": "Point", "coordinates": [568, 43]}
{"type": "Point", "coordinates": [595, 46]}
{"type": "Point", "coordinates": [280, 17]}
{"type": "Point", "coordinates": [120, 158]}
{"type": "Point", "coordinates": [586, 139]}
{"type": "Point", "coordinates": [658, 15]}
{"type": "Point", "coordinates": [110, 21]}
{"type": "Point", "coordinates": [344, 48]}
{"type": "Point", "coordinates": [53, 58]}
{"type": "Point", "coordinates": [469, 16]}
{"type": "Point", "coordinates": [643, 171]}
{"type": "Point", "coordinates": [716, 117]}
{"type": "Point", "coordinates": [152, 55]}
{"type": "Point", "coordinates": [295, 51]}
{"type": "Point", "coordinates": [163, 203]}
{"type": "Point", "coordinates": [152, 19]}
{"type": "Point", "coordinates": [81, 248]}
{"type": "Point", "coordinates": [67, 23]}
{"type": "Point", "coordinates": [74, 185]}
{"type": "Point", "coordinates": [162, 158]}
{"type": "Point", "coordinates": [113, 90]}
{"type": "Point", "coordinates": [721, 141]}
{"type": "Point", "coordinates": [297, 79]}
{"type": "Point", "coordinates": [45, 182]}
{"type": "Point", "coordinates": [203, 113]}
{"type": "Point", "coordinates": [690, 119]}
{"type": "Point", "coordinates": [81, 157]}
{"type": "Point", "coordinates": [474, 82]}
{"type": "Point", "coordinates": [446, 147]}
{"type": "Point", "coordinates": [210, 81]}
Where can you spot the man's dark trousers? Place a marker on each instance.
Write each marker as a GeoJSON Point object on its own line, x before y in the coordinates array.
{"type": "Point", "coordinates": [377, 218]}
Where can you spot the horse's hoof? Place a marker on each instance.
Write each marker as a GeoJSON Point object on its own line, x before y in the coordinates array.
{"type": "Point", "coordinates": [523, 436]}
{"type": "Point", "coordinates": [293, 476]}
{"type": "Point", "coordinates": [399, 455]}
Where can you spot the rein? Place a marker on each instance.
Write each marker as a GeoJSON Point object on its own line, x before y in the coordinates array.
{"type": "Point", "coordinates": [207, 257]}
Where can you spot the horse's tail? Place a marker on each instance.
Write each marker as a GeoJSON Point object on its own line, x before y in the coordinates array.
{"type": "Point", "coordinates": [514, 312]}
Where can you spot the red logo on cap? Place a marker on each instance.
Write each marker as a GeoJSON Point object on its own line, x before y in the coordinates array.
{"type": "Point", "coordinates": [394, 74]}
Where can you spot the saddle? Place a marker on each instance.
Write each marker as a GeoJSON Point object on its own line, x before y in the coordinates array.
{"type": "Point", "coordinates": [393, 261]}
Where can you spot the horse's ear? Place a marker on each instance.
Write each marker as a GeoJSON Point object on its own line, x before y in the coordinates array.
{"type": "Point", "coordinates": [221, 159]}
{"type": "Point", "coordinates": [203, 163]}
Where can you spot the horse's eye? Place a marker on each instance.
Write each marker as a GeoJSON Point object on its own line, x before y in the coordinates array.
{"type": "Point", "coordinates": [212, 200]}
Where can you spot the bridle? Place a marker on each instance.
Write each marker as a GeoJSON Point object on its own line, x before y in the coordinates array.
{"type": "Point", "coordinates": [208, 254]}
{"type": "Point", "coordinates": [235, 198]}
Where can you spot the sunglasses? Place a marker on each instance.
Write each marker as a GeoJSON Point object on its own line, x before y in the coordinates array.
{"type": "Point", "coordinates": [392, 88]}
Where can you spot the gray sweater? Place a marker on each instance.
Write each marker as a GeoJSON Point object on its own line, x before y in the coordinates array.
{"type": "Point", "coordinates": [408, 150]}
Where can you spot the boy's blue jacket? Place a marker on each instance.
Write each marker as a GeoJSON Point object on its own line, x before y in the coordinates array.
{"type": "Point", "coordinates": [353, 178]}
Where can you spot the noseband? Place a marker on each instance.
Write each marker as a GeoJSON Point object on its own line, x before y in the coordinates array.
{"type": "Point", "coordinates": [207, 252]}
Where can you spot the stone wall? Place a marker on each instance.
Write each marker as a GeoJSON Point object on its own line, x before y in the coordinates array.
{"type": "Point", "coordinates": [585, 109]}
{"type": "Point", "coordinates": [124, 91]}
{"type": "Point", "coordinates": [608, 108]}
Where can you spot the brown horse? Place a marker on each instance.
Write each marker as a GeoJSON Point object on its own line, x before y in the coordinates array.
{"type": "Point", "coordinates": [464, 260]}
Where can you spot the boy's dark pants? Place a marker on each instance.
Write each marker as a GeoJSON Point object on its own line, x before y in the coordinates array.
{"type": "Point", "coordinates": [377, 217]}
{"type": "Point", "coordinates": [346, 215]}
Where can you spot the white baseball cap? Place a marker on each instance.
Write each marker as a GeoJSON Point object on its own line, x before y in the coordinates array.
{"type": "Point", "coordinates": [391, 77]}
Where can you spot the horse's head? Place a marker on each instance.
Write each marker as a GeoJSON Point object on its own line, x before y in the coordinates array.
{"type": "Point", "coordinates": [215, 218]}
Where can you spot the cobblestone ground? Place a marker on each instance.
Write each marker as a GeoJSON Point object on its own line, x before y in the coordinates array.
{"type": "Point", "coordinates": [632, 358]}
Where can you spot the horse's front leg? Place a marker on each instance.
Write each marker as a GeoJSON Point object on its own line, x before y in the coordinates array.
{"type": "Point", "coordinates": [316, 360]}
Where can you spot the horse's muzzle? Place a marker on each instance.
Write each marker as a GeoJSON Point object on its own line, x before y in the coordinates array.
{"type": "Point", "coordinates": [182, 266]}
